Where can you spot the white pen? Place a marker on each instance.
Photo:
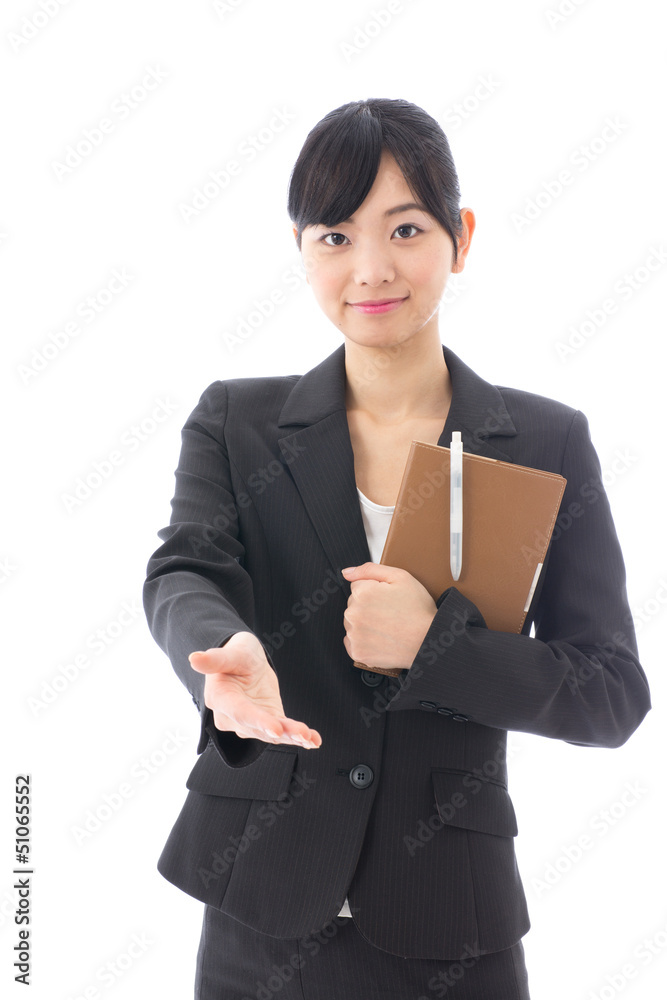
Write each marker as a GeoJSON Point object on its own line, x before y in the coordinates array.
{"type": "Point", "coordinates": [456, 505]}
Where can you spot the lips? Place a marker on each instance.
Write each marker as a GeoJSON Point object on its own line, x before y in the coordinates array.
{"type": "Point", "coordinates": [371, 306]}
{"type": "Point", "coordinates": [375, 302]}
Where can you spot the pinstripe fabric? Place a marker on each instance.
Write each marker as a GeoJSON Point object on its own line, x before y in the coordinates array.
{"type": "Point", "coordinates": [237, 963]}
{"type": "Point", "coordinates": [264, 514]}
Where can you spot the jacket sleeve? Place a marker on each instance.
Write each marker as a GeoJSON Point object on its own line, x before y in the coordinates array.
{"type": "Point", "coordinates": [197, 594]}
{"type": "Point", "coordinates": [579, 678]}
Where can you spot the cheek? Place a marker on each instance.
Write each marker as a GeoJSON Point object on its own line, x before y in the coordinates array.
{"type": "Point", "coordinates": [431, 273]}
{"type": "Point", "coordinates": [433, 266]}
{"type": "Point", "coordinates": [325, 283]}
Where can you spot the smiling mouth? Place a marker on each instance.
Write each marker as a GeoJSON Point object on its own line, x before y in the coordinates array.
{"type": "Point", "coordinates": [376, 302]}
{"type": "Point", "coordinates": [377, 305]}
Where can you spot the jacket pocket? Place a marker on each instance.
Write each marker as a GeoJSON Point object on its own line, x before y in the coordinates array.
{"type": "Point", "coordinates": [266, 778]}
{"type": "Point", "coordinates": [465, 800]}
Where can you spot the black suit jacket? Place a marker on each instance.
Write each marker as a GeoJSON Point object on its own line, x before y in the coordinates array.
{"type": "Point", "coordinates": [265, 514]}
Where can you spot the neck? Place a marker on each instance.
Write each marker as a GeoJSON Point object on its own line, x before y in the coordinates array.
{"type": "Point", "coordinates": [399, 382]}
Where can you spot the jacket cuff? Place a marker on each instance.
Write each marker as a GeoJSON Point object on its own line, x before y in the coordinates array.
{"type": "Point", "coordinates": [423, 686]}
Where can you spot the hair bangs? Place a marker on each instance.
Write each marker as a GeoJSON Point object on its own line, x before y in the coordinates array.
{"type": "Point", "coordinates": [336, 169]}
{"type": "Point", "coordinates": [340, 159]}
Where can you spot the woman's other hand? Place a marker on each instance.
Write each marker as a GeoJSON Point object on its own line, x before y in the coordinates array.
{"type": "Point", "coordinates": [387, 617]}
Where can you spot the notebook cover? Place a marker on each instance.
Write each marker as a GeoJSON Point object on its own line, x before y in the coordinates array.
{"type": "Point", "coordinates": [509, 512]}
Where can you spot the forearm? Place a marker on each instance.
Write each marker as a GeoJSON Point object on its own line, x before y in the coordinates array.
{"type": "Point", "coordinates": [187, 612]}
{"type": "Point", "coordinates": [594, 694]}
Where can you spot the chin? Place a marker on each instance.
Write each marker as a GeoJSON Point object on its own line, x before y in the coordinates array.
{"type": "Point", "coordinates": [376, 338]}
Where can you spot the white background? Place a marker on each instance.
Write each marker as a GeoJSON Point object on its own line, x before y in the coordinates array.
{"type": "Point", "coordinates": [218, 76]}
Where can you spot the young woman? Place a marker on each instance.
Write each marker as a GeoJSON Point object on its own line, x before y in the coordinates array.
{"type": "Point", "coordinates": [350, 833]}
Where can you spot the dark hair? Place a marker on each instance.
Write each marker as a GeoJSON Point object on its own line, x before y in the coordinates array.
{"type": "Point", "coordinates": [339, 160]}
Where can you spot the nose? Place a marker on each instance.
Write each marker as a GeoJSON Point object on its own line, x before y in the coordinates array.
{"type": "Point", "coordinates": [373, 264]}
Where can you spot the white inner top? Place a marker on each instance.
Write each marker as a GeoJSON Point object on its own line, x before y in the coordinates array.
{"type": "Point", "coordinates": [376, 523]}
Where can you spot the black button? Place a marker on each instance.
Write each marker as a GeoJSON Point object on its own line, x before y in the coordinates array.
{"type": "Point", "coordinates": [370, 678]}
{"type": "Point", "coordinates": [361, 775]}
{"type": "Point", "coordinates": [445, 711]}
{"type": "Point", "coordinates": [459, 718]}
{"type": "Point", "coordinates": [431, 705]}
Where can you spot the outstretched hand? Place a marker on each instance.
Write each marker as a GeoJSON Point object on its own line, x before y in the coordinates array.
{"type": "Point", "coordinates": [241, 689]}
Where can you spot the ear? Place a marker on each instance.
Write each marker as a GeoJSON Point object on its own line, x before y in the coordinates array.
{"type": "Point", "coordinates": [468, 220]}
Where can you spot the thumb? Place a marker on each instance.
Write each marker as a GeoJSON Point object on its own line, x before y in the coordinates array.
{"type": "Point", "coordinates": [200, 660]}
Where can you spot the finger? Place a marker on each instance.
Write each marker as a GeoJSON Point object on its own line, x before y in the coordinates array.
{"type": "Point", "coordinates": [226, 724]}
{"type": "Point", "coordinates": [247, 721]}
{"type": "Point", "coordinates": [281, 730]}
{"type": "Point", "coordinates": [273, 729]}
{"type": "Point", "coordinates": [306, 738]}
{"type": "Point", "coordinates": [302, 734]}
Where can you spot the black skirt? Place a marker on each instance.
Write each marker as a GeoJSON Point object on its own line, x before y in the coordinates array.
{"type": "Point", "coordinates": [235, 962]}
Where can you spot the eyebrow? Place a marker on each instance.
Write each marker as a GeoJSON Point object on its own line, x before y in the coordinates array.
{"type": "Point", "coordinates": [394, 211]}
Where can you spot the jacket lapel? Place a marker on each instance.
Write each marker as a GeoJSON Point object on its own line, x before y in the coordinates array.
{"type": "Point", "coordinates": [323, 469]}
{"type": "Point", "coordinates": [477, 410]}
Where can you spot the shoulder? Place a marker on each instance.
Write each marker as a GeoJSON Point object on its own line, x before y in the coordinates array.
{"type": "Point", "coordinates": [548, 431]}
{"type": "Point", "coordinates": [531, 408]}
{"type": "Point", "coordinates": [248, 392]}
{"type": "Point", "coordinates": [534, 427]}
{"type": "Point", "coordinates": [241, 402]}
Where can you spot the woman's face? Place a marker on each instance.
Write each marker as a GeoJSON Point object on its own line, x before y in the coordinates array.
{"type": "Point", "coordinates": [385, 251]}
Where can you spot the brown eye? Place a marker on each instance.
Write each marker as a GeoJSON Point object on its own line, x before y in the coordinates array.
{"type": "Point", "coordinates": [408, 225]}
{"type": "Point", "coordinates": [327, 235]}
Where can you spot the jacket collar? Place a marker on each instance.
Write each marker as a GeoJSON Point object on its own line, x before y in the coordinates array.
{"type": "Point", "coordinates": [320, 458]}
{"type": "Point", "coordinates": [477, 407]}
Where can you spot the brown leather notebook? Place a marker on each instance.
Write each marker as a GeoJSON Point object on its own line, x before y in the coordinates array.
{"type": "Point", "coordinates": [509, 512]}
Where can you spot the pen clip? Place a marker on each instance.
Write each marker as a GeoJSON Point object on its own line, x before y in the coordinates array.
{"type": "Point", "coordinates": [456, 505]}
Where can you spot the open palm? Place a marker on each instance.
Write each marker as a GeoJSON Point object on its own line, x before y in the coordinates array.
{"type": "Point", "coordinates": [242, 690]}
